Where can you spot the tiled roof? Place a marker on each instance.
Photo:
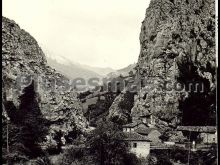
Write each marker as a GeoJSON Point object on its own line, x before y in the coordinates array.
{"type": "Point", "coordinates": [133, 136]}
{"type": "Point", "coordinates": [205, 129]}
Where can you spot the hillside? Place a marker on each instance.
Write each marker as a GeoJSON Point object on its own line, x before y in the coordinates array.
{"type": "Point", "coordinates": [72, 70]}
{"type": "Point", "coordinates": [29, 94]}
{"type": "Point", "coordinates": [124, 71]}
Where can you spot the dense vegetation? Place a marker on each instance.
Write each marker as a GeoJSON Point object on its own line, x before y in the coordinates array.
{"type": "Point", "coordinates": [105, 146]}
{"type": "Point", "coordinates": [181, 155]}
{"type": "Point", "coordinates": [26, 128]}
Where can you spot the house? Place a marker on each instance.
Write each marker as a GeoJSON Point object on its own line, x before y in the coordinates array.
{"type": "Point", "coordinates": [209, 137]}
{"type": "Point", "coordinates": [138, 144]}
{"type": "Point", "coordinates": [208, 134]}
{"type": "Point", "coordinates": [141, 133]}
{"type": "Point", "coordinates": [143, 128]}
{"type": "Point", "coordinates": [140, 136]}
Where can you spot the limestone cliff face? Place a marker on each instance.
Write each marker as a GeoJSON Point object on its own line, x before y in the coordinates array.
{"type": "Point", "coordinates": [22, 56]}
{"type": "Point", "coordinates": [120, 109]}
{"type": "Point", "coordinates": [177, 46]}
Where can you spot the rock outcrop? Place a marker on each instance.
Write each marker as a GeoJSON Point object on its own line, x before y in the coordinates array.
{"type": "Point", "coordinates": [120, 110]}
{"type": "Point", "coordinates": [177, 48]}
{"type": "Point", "coordinates": [22, 58]}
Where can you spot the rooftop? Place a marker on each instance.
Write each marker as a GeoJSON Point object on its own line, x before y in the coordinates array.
{"type": "Point", "coordinates": [133, 136]}
{"type": "Point", "coordinates": [205, 129]}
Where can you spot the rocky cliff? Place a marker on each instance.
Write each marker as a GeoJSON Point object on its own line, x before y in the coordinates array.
{"type": "Point", "coordinates": [177, 49]}
{"type": "Point", "coordinates": [23, 60]}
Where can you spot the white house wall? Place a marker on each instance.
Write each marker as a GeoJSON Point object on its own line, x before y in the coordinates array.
{"type": "Point", "coordinates": [142, 150]}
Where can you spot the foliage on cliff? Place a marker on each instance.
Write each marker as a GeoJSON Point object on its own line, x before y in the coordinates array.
{"type": "Point", "coordinates": [25, 130]}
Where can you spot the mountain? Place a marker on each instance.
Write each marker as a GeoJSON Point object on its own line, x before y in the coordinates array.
{"type": "Point", "coordinates": [101, 71]}
{"type": "Point", "coordinates": [72, 70]}
{"type": "Point", "coordinates": [177, 50]}
{"type": "Point", "coordinates": [124, 71]}
{"type": "Point", "coordinates": [34, 95]}
{"type": "Point", "coordinates": [75, 70]}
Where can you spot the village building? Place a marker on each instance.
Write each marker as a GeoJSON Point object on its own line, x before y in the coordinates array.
{"type": "Point", "coordinates": [138, 144]}
{"type": "Point", "coordinates": [140, 136]}
{"type": "Point", "coordinates": [209, 137]}
{"type": "Point", "coordinates": [207, 134]}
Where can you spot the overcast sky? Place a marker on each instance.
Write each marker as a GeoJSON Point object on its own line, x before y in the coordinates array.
{"type": "Point", "coordinates": [102, 33]}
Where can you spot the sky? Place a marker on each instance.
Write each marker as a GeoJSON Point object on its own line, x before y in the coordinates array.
{"type": "Point", "coordinates": [100, 33]}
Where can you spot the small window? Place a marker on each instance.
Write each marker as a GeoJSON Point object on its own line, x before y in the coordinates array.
{"type": "Point", "coordinates": [134, 145]}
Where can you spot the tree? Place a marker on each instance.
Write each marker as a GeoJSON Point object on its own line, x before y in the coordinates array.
{"type": "Point", "coordinates": [107, 145]}
{"type": "Point", "coordinates": [31, 121]}
{"type": "Point", "coordinates": [27, 126]}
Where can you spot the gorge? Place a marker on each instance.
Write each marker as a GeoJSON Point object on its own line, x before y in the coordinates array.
{"type": "Point", "coordinates": [177, 42]}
